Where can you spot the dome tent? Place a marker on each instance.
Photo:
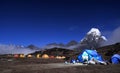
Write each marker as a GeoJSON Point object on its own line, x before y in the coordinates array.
{"type": "Point", "coordinates": [22, 56]}
{"type": "Point", "coordinates": [45, 56]}
{"type": "Point", "coordinates": [38, 55]}
{"type": "Point", "coordinates": [52, 57]}
{"type": "Point", "coordinates": [58, 57]}
{"type": "Point", "coordinates": [87, 55]}
{"type": "Point", "coordinates": [29, 56]}
{"type": "Point", "coordinates": [63, 57]}
{"type": "Point", "coordinates": [16, 55]}
{"type": "Point", "coordinates": [115, 59]}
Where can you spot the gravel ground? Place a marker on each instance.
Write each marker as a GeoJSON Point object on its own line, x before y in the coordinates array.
{"type": "Point", "coordinates": [53, 66]}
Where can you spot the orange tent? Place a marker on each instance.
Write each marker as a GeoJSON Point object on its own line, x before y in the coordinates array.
{"type": "Point", "coordinates": [45, 56]}
{"type": "Point", "coordinates": [52, 57]}
{"type": "Point", "coordinates": [16, 55]}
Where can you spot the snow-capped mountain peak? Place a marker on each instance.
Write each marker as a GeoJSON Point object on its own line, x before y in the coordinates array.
{"type": "Point", "coordinates": [95, 32]}
{"type": "Point", "coordinates": [93, 39]}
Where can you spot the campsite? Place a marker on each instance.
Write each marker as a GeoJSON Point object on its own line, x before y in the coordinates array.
{"type": "Point", "coordinates": [46, 64]}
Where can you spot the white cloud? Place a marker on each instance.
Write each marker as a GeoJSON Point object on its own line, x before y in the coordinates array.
{"type": "Point", "coordinates": [12, 49]}
{"type": "Point", "coordinates": [114, 37]}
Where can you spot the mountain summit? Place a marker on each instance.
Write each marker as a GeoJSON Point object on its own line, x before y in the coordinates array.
{"type": "Point", "coordinates": [95, 32]}
{"type": "Point", "coordinates": [93, 39]}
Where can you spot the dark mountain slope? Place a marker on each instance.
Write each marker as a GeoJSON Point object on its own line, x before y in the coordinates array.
{"type": "Point", "coordinates": [55, 52]}
{"type": "Point", "coordinates": [108, 51]}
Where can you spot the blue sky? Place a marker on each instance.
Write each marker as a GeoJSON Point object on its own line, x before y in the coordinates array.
{"type": "Point", "coordinates": [37, 22]}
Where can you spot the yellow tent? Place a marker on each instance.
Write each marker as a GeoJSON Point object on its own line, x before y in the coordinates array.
{"type": "Point", "coordinates": [29, 56]}
{"type": "Point", "coordinates": [63, 57]}
{"type": "Point", "coordinates": [58, 57]}
{"type": "Point", "coordinates": [22, 55]}
{"type": "Point", "coordinates": [38, 55]}
{"type": "Point", "coordinates": [45, 56]}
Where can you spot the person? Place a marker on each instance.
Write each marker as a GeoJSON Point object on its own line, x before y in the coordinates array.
{"type": "Point", "coordinates": [77, 61]}
{"type": "Point", "coordinates": [73, 61]}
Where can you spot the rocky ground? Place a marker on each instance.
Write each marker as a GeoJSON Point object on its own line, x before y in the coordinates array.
{"type": "Point", "coordinates": [52, 66]}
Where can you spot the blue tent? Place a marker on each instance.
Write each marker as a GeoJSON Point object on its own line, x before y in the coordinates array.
{"type": "Point", "coordinates": [87, 55]}
{"type": "Point", "coordinates": [115, 59]}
